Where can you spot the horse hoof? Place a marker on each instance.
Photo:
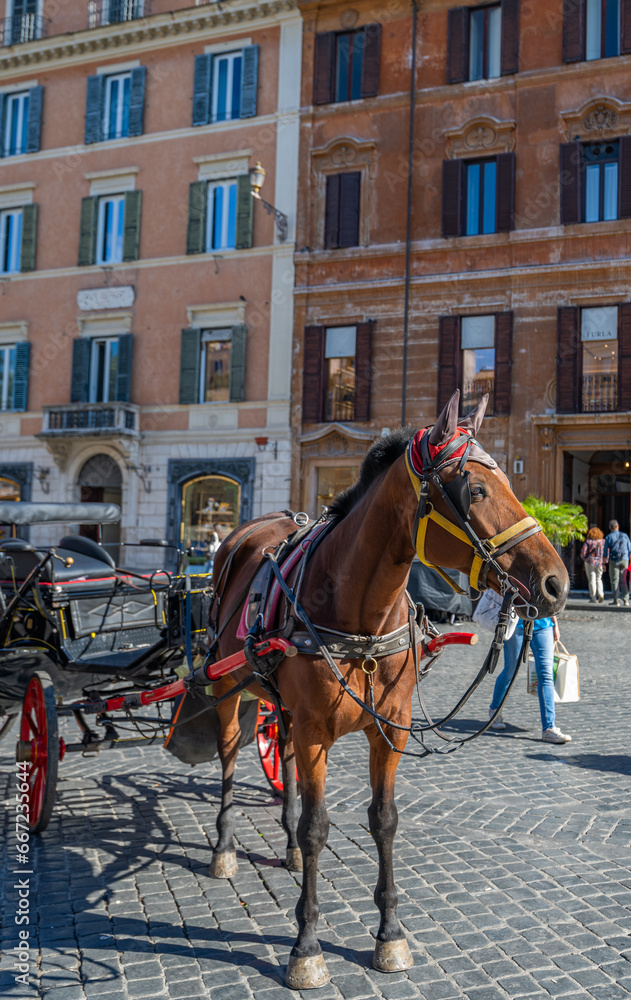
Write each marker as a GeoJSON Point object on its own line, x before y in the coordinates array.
{"type": "Point", "coordinates": [306, 973]}
{"type": "Point", "coordinates": [224, 865]}
{"type": "Point", "coordinates": [392, 956]}
{"type": "Point", "coordinates": [293, 859]}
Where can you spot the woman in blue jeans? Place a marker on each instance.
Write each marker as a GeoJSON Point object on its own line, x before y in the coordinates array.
{"type": "Point", "coordinates": [544, 636]}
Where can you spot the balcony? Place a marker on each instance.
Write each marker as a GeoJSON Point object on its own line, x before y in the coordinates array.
{"type": "Point", "coordinates": [90, 420]}
{"type": "Point", "coordinates": [600, 392]}
{"type": "Point", "coordinates": [102, 12]}
{"type": "Point", "coordinates": [22, 28]}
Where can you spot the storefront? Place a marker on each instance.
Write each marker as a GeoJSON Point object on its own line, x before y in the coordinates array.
{"type": "Point", "coordinates": [207, 497]}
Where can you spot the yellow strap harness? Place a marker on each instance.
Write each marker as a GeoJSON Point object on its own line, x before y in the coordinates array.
{"type": "Point", "coordinates": [490, 546]}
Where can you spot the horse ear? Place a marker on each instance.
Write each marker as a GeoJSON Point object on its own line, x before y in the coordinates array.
{"type": "Point", "coordinates": [447, 423]}
{"type": "Point", "coordinates": [473, 421]}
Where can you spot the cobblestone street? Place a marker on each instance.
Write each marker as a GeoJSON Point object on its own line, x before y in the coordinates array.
{"type": "Point", "coordinates": [512, 861]}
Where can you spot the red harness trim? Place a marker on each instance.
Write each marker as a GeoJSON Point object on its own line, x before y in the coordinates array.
{"type": "Point", "coordinates": [435, 450]}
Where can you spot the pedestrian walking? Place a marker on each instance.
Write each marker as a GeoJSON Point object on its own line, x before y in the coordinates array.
{"type": "Point", "coordinates": [544, 636]}
{"type": "Point", "coordinates": [211, 551]}
{"type": "Point", "coordinates": [617, 554]}
{"type": "Point", "coordinates": [592, 554]}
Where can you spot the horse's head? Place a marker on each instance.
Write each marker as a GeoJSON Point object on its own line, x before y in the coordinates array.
{"type": "Point", "coordinates": [463, 498]}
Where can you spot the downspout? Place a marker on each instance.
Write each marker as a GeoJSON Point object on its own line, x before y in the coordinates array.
{"type": "Point", "coordinates": [408, 233]}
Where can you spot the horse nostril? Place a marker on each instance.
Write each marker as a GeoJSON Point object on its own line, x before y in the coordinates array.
{"type": "Point", "coordinates": [552, 588]}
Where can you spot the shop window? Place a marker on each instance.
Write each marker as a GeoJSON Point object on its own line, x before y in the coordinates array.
{"type": "Point", "coordinates": [478, 360]}
{"type": "Point", "coordinates": [331, 480]}
{"type": "Point", "coordinates": [339, 354]}
{"type": "Point", "coordinates": [599, 348]}
{"type": "Point", "coordinates": [209, 504]}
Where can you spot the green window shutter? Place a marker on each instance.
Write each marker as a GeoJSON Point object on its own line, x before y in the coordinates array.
{"type": "Point", "coordinates": [237, 364]}
{"type": "Point", "coordinates": [131, 225]}
{"type": "Point", "coordinates": [190, 357]}
{"type": "Point", "coordinates": [136, 100]}
{"type": "Point", "coordinates": [197, 207]}
{"type": "Point", "coordinates": [34, 119]}
{"type": "Point", "coordinates": [245, 209]}
{"type": "Point", "coordinates": [20, 377]}
{"type": "Point", "coordinates": [201, 89]}
{"type": "Point", "coordinates": [87, 233]}
{"type": "Point", "coordinates": [29, 231]}
{"type": "Point", "coordinates": [80, 381]}
{"type": "Point", "coordinates": [123, 369]}
{"type": "Point", "coordinates": [249, 80]}
{"type": "Point", "coordinates": [2, 109]}
{"type": "Point", "coordinates": [94, 109]}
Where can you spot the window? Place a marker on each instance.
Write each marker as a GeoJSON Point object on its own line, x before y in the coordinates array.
{"type": "Point", "coordinates": [226, 87]}
{"type": "Point", "coordinates": [103, 370]}
{"type": "Point", "coordinates": [10, 240]}
{"type": "Point", "coordinates": [331, 480]}
{"type": "Point", "coordinates": [109, 240]}
{"type": "Point", "coordinates": [209, 504]}
{"type": "Point", "coordinates": [346, 64]}
{"type": "Point", "coordinates": [349, 58]}
{"type": "Point", "coordinates": [7, 376]}
{"type": "Point", "coordinates": [478, 360]}
{"type": "Point", "coordinates": [116, 106]}
{"type": "Point", "coordinates": [599, 347]}
{"type": "Point", "coordinates": [221, 216]}
{"type": "Point", "coordinates": [341, 213]}
{"type": "Point", "coordinates": [15, 123]}
{"type": "Point", "coordinates": [215, 366]}
{"type": "Point", "coordinates": [113, 11]}
{"type": "Point", "coordinates": [601, 181]}
{"type": "Point", "coordinates": [481, 197]}
{"type": "Point", "coordinates": [485, 42]}
{"type": "Point", "coordinates": [339, 355]}
{"type": "Point", "coordinates": [602, 29]}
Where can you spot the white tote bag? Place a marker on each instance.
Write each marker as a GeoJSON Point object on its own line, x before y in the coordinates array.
{"type": "Point", "coordinates": [565, 671]}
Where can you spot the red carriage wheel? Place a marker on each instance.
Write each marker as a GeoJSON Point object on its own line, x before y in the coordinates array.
{"type": "Point", "coordinates": [39, 748]}
{"type": "Point", "coordinates": [267, 742]}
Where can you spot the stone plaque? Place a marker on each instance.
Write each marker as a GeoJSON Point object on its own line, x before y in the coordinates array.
{"type": "Point", "coordinates": [106, 298]}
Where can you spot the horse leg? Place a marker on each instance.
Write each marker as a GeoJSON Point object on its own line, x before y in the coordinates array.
{"type": "Point", "coordinates": [306, 968]}
{"type": "Point", "coordinates": [392, 953]}
{"type": "Point", "coordinates": [291, 811]}
{"type": "Point", "coordinates": [224, 860]}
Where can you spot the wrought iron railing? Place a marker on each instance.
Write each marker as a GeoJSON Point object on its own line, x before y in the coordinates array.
{"type": "Point", "coordinates": [101, 12]}
{"type": "Point", "coordinates": [90, 418]}
{"type": "Point", "coordinates": [600, 392]}
{"type": "Point", "coordinates": [341, 401]}
{"type": "Point", "coordinates": [22, 28]}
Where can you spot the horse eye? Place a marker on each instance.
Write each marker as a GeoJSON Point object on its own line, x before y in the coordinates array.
{"type": "Point", "coordinates": [478, 491]}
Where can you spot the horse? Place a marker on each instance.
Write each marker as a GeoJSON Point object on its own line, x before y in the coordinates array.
{"type": "Point", "coordinates": [354, 582]}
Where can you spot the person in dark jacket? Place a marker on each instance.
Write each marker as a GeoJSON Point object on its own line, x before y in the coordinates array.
{"type": "Point", "coordinates": [617, 553]}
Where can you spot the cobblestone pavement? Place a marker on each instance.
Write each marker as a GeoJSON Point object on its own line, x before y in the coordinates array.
{"type": "Point", "coordinates": [512, 862]}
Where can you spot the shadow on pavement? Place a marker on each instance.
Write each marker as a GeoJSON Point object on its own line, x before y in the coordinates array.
{"type": "Point", "coordinates": [618, 762]}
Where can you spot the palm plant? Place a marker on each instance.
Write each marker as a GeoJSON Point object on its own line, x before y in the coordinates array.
{"type": "Point", "coordinates": [562, 523]}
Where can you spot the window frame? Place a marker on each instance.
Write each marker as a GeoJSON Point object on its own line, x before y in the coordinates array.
{"type": "Point", "coordinates": [466, 403]}
{"type": "Point", "coordinates": [229, 186]}
{"type": "Point", "coordinates": [119, 201]}
{"type": "Point", "coordinates": [613, 374]}
{"type": "Point", "coordinates": [613, 157]}
{"type": "Point", "coordinates": [110, 79]}
{"type": "Point", "coordinates": [485, 11]}
{"type": "Point", "coordinates": [482, 163]}
{"type": "Point", "coordinates": [23, 97]}
{"type": "Point", "coordinates": [602, 27]}
{"type": "Point", "coordinates": [329, 414]}
{"type": "Point", "coordinates": [7, 376]}
{"type": "Point", "coordinates": [96, 343]}
{"type": "Point", "coordinates": [231, 56]}
{"type": "Point", "coordinates": [353, 33]}
{"type": "Point", "coordinates": [14, 248]}
{"type": "Point", "coordinates": [212, 335]}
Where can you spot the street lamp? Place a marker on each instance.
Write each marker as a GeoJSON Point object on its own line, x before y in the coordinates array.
{"type": "Point", "coordinates": [257, 178]}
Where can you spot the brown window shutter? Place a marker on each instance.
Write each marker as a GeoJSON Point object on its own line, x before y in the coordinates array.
{"type": "Point", "coordinates": [503, 363]}
{"type": "Point", "coordinates": [370, 64]}
{"type": "Point", "coordinates": [571, 182]}
{"type": "Point", "coordinates": [323, 67]}
{"type": "Point", "coordinates": [509, 56]}
{"type": "Point", "coordinates": [457, 44]}
{"type": "Point", "coordinates": [453, 197]}
{"type": "Point", "coordinates": [448, 359]}
{"type": "Point", "coordinates": [624, 357]}
{"type": "Point", "coordinates": [332, 212]}
{"type": "Point", "coordinates": [624, 178]}
{"type": "Point", "coordinates": [625, 26]}
{"type": "Point", "coordinates": [363, 370]}
{"type": "Point", "coordinates": [573, 30]}
{"type": "Point", "coordinates": [569, 361]}
{"type": "Point", "coordinates": [313, 375]}
{"type": "Point", "coordinates": [505, 209]}
{"type": "Point", "coordinates": [350, 186]}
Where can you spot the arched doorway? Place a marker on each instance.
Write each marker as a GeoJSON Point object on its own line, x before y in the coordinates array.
{"type": "Point", "coordinates": [100, 481]}
{"type": "Point", "coordinates": [209, 504]}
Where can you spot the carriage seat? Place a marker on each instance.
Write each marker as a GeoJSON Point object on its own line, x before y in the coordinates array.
{"type": "Point", "coordinates": [87, 547]}
{"type": "Point", "coordinates": [25, 557]}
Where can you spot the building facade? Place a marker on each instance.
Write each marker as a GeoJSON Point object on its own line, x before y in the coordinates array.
{"type": "Point", "coordinates": [146, 313]}
{"type": "Point", "coordinates": [514, 188]}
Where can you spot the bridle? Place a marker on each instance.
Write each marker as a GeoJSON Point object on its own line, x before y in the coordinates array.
{"type": "Point", "coordinates": [425, 470]}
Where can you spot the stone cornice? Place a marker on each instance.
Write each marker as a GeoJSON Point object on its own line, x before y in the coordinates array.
{"type": "Point", "coordinates": [130, 35]}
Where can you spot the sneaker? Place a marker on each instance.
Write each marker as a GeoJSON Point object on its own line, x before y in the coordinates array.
{"type": "Point", "coordinates": [499, 722]}
{"type": "Point", "coordinates": [625, 601]}
{"type": "Point", "coordinates": [615, 603]}
{"type": "Point", "coordinates": [601, 600]}
{"type": "Point", "coordinates": [554, 735]}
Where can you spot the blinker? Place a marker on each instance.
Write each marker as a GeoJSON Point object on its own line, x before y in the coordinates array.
{"type": "Point", "coordinates": [459, 493]}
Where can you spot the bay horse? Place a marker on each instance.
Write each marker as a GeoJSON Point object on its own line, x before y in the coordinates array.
{"type": "Point", "coordinates": [355, 582]}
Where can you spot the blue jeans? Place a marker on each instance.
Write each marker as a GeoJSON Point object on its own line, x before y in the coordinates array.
{"type": "Point", "coordinates": [542, 647]}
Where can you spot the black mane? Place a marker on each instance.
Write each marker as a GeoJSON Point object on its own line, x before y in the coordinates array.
{"type": "Point", "coordinates": [379, 457]}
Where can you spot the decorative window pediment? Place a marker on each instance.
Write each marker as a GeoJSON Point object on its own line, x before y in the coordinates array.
{"type": "Point", "coordinates": [481, 136]}
{"type": "Point", "coordinates": [600, 118]}
{"type": "Point", "coordinates": [343, 155]}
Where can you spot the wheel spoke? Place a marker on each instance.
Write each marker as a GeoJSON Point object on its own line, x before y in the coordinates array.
{"type": "Point", "coordinates": [37, 796]}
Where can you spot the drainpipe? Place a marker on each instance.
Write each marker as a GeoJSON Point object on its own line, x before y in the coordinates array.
{"type": "Point", "coordinates": [408, 233]}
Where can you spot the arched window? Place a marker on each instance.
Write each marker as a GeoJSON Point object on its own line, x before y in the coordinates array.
{"type": "Point", "coordinates": [209, 504]}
